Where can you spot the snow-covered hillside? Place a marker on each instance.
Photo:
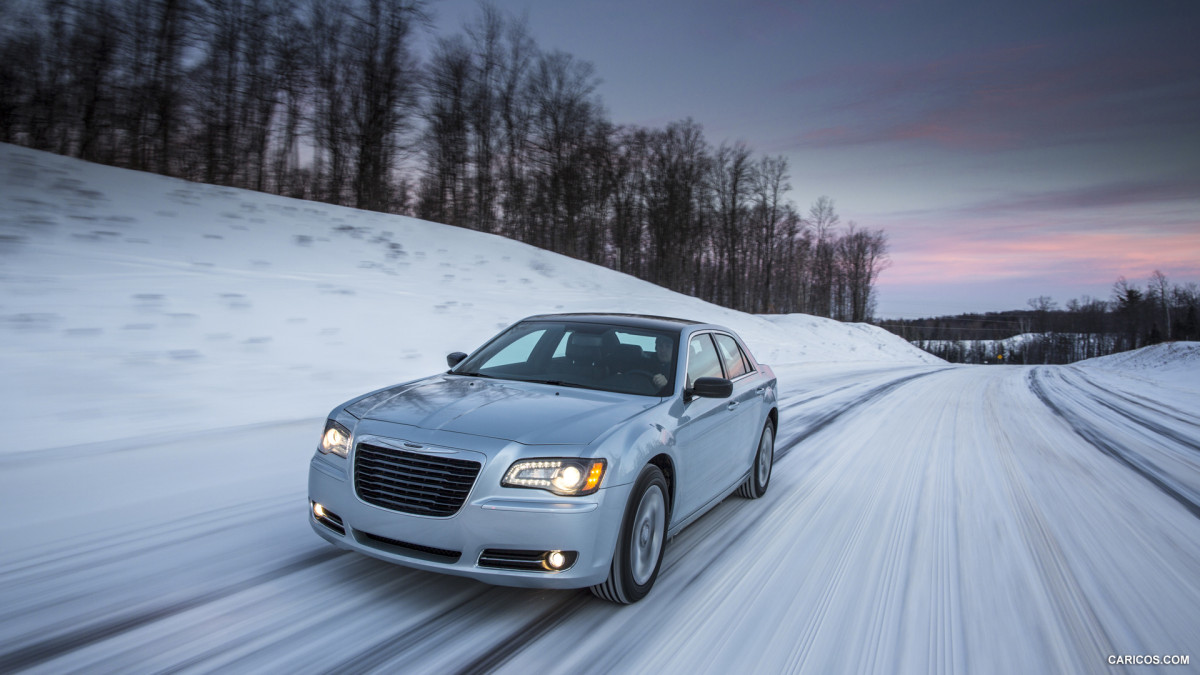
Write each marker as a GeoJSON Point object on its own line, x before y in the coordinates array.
{"type": "Point", "coordinates": [1177, 363]}
{"type": "Point", "coordinates": [134, 304]}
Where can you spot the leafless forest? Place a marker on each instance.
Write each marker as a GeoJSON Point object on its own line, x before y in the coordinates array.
{"type": "Point", "coordinates": [362, 103]}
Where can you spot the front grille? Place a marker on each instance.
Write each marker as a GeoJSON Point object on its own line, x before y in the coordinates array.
{"type": "Point", "coordinates": [409, 547]}
{"type": "Point", "coordinates": [410, 482]}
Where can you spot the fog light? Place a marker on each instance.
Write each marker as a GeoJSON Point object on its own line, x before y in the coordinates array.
{"type": "Point", "coordinates": [555, 560]}
{"type": "Point", "coordinates": [328, 518]}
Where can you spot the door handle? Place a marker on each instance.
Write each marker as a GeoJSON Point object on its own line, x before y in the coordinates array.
{"type": "Point", "coordinates": [760, 390]}
{"type": "Point", "coordinates": [732, 405]}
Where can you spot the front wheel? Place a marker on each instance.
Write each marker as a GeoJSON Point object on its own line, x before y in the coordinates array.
{"type": "Point", "coordinates": [760, 474]}
{"type": "Point", "coordinates": [640, 544]}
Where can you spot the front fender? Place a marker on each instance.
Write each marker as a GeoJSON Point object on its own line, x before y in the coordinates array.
{"type": "Point", "coordinates": [633, 444]}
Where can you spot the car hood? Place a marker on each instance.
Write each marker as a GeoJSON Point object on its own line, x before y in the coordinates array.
{"type": "Point", "coordinates": [531, 414]}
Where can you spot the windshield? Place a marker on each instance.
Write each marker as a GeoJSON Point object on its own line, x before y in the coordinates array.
{"type": "Point", "coordinates": [587, 355]}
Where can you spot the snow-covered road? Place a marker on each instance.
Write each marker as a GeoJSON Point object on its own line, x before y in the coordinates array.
{"type": "Point", "coordinates": [921, 519]}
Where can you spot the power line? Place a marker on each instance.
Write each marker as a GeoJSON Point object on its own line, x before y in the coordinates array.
{"type": "Point", "coordinates": [955, 318]}
{"type": "Point", "coordinates": [906, 327]}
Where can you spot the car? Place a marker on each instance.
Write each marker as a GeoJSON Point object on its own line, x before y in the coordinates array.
{"type": "Point", "coordinates": [563, 453]}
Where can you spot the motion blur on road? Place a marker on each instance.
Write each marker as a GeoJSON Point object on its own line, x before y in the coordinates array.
{"type": "Point", "coordinates": [165, 387]}
{"type": "Point", "coordinates": [921, 519]}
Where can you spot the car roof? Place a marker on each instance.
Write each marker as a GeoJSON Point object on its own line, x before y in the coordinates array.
{"type": "Point", "coordinates": [630, 320]}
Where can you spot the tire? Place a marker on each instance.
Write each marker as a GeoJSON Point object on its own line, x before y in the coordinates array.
{"type": "Point", "coordinates": [764, 461]}
{"type": "Point", "coordinates": [639, 552]}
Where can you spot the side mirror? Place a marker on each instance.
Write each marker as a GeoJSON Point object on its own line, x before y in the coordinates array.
{"type": "Point", "coordinates": [711, 387]}
{"type": "Point", "coordinates": [455, 358]}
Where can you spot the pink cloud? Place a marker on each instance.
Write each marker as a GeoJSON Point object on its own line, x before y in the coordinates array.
{"type": "Point", "coordinates": [950, 135]}
{"type": "Point", "coordinates": [1068, 257]}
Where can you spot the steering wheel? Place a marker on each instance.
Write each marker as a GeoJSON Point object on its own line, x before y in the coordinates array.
{"type": "Point", "coordinates": [648, 375]}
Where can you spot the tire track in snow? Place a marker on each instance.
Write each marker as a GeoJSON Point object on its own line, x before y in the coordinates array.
{"type": "Point", "coordinates": [405, 638]}
{"type": "Point", "coordinates": [798, 400]}
{"type": "Point", "coordinates": [1129, 458]}
{"type": "Point", "coordinates": [1068, 601]}
{"type": "Point", "coordinates": [893, 584]}
{"type": "Point", "coordinates": [935, 511]}
{"type": "Point", "coordinates": [1161, 407]}
{"type": "Point", "coordinates": [822, 420]}
{"type": "Point", "coordinates": [820, 423]}
{"type": "Point", "coordinates": [107, 547]}
{"type": "Point", "coordinates": [249, 650]}
{"type": "Point", "coordinates": [529, 632]}
{"type": "Point", "coordinates": [916, 622]}
{"type": "Point", "coordinates": [836, 572]}
{"type": "Point", "coordinates": [50, 648]}
{"type": "Point", "coordinates": [895, 559]}
{"type": "Point", "coordinates": [1155, 427]}
{"type": "Point", "coordinates": [947, 646]}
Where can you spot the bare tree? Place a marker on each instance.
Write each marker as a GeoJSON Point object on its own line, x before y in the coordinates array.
{"type": "Point", "coordinates": [289, 46]}
{"type": "Point", "coordinates": [486, 35]}
{"type": "Point", "coordinates": [863, 255]}
{"type": "Point", "coordinates": [164, 88]}
{"type": "Point", "coordinates": [1160, 292]}
{"type": "Point", "coordinates": [822, 218]}
{"type": "Point", "coordinates": [563, 107]}
{"type": "Point", "coordinates": [93, 49]}
{"type": "Point", "coordinates": [770, 184]}
{"type": "Point", "coordinates": [675, 203]}
{"type": "Point", "coordinates": [384, 96]}
{"type": "Point", "coordinates": [1128, 301]}
{"type": "Point", "coordinates": [730, 184]}
{"type": "Point", "coordinates": [446, 186]}
{"type": "Point", "coordinates": [519, 54]}
{"type": "Point", "coordinates": [628, 167]}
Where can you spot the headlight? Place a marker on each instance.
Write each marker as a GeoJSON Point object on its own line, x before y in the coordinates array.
{"type": "Point", "coordinates": [566, 476]}
{"type": "Point", "coordinates": [336, 439]}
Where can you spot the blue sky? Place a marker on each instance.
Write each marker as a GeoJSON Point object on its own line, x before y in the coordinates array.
{"type": "Point", "coordinates": [1009, 150]}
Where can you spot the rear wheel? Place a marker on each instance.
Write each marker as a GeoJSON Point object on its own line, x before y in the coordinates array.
{"type": "Point", "coordinates": [764, 460]}
{"type": "Point", "coordinates": [640, 545]}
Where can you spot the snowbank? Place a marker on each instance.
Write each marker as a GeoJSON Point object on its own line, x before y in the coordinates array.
{"type": "Point", "coordinates": [1177, 363]}
{"type": "Point", "coordinates": [134, 304]}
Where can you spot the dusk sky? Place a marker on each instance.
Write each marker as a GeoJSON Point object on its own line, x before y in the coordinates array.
{"type": "Point", "coordinates": [1009, 150]}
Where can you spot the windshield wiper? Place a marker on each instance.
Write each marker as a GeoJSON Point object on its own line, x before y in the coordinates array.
{"type": "Point", "coordinates": [490, 377]}
{"type": "Point", "coordinates": [559, 383]}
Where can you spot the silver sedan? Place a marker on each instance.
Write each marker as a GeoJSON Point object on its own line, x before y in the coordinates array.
{"type": "Point", "coordinates": [561, 454]}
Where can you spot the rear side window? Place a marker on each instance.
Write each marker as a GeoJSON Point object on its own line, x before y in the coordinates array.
{"type": "Point", "coordinates": [731, 355]}
{"type": "Point", "coordinates": [702, 359]}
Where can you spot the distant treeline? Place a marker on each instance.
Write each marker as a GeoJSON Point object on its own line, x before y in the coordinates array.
{"type": "Point", "coordinates": [1087, 327]}
{"type": "Point", "coordinates": [328, 100]}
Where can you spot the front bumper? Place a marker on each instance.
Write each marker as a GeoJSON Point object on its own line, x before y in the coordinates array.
{"type": "Point", "coordinates": [491, 518]}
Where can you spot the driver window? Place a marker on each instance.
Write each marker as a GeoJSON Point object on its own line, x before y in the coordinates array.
{"type": "Point", "coordinates": [702, 359]}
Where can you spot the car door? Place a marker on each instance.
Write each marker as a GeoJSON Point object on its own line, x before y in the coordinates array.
{"type": "Point", "coordinates": [704, 434]}
{"type": "Point", "coordinates": [745, 403]}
